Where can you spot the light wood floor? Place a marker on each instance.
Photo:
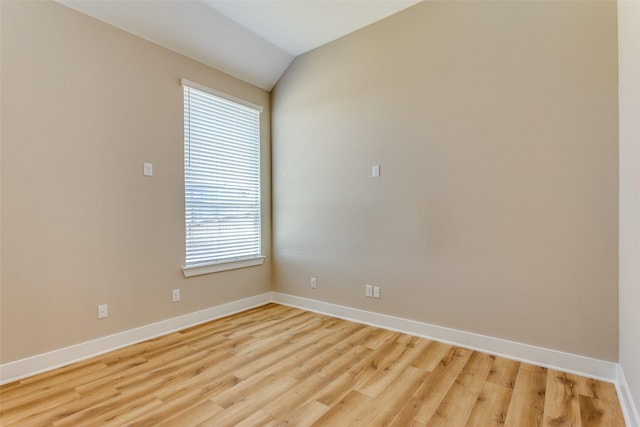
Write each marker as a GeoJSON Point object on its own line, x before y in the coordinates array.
{"type": "Point", "coordinates": [277, 366]}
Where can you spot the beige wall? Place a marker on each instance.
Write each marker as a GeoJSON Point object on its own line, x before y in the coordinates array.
{"type": "Point", "coordinates": [83, 106]}
{"type": "Point", "coordinates": [495, 125]}
{"type": "Point", "coordinates": [629, 51]}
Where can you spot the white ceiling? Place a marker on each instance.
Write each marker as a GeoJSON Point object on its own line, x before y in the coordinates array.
{"type": "Point", "coordinates": [298, 26]}
{"type": "Point", "coordinates": [253, 40]}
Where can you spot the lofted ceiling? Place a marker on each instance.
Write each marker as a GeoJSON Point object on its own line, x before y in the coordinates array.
{"type": "Point", "coordinates": [253, 40]}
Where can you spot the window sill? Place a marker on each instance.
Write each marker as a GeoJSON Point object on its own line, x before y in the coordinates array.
{"type": "Point", "coordinates": [221, 266]}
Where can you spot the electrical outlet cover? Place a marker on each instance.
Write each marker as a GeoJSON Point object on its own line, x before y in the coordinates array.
{"type": "Point", "coordinates": [103, 311]}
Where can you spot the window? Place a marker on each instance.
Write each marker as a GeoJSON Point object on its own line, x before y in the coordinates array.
{"type": "Point", "coordinates": [221, 181]}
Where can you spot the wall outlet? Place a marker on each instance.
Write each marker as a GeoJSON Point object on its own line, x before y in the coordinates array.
{"type": "Point", "coordinates": [103, 311]}
{"type": "Point", "coordinates": [376, 291]}
{"type": "Point", "coordinates": [314, 283]}
{"type": "Point", "coordinates": [175, 295]}
{"type": "Point", "coordinates": [368, 291]}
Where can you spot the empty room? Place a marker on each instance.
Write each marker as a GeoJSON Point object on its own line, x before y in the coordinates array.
{"type": "Point", "coordinates": [319, 212]}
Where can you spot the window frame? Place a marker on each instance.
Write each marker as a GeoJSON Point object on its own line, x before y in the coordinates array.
{"type": "Point", "coordinates": [217, 265]}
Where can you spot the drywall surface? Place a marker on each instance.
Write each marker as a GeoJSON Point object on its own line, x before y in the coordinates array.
{"type": "Point", "coordinates": [495, 127]}
{"type": "Point", "coordinates": [629, 52]}
{"type": "Point", "coordinates": [84, 105]}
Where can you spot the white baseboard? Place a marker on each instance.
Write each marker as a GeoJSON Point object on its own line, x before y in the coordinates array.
{"type": "Point", "coordinates": [19, 369]}
{"type": "Point", "coordinates": [631, 415]}
{"type": "Point", "coordinates": [603, 370]}
{"type": "Point", "coordinates": [571, 363]}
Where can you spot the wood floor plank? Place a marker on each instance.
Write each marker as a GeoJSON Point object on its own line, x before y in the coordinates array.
{"type": "Point", "coordinates": [597, 389]}
{"type": "Point", "coordinates": [260, 326]}
{"type": "Point", "coordinates": [301, 393]}
{"type": "Point", "coordinates": [309, 385]}
{"type": "Point", "coordinates": [432, 356]}
{"type": "Point", "coordinates": [33, 391]}
{"type": "Point", "coordinates": [142, 349]}
{"type": "Point", "coordinates": [257, 419]}
{"type": "Point", "coordinates": [393, 366]}
{"type": "Point", "coordinates": [527, 401]}
{"type": "Point", "coordinates": [72, 406]}
{"type": "Point", "coordinates": [423, 404]}
{"type": "Point", "coordinates": [381, 339]}
{"type": "Point", "coordinates": [356, 375]}
{"type": "Point", "coordinates": [386, 406]}
{"type": "Point", "coordinates": [346, 410]}
{"type": "Point", "coordinates": [304, 415]}
{"type": "Point", "coordinates": [504, 372]}
{"type": "Point", "coordinates": [38, 406]}
{"type": "Point", "coordinates": [108, 413]}
{"type": "Point", "coordinates": [349, 343]}
{"type": "Point", "coordinates": [457, 404]}
{"type": "Point", "coordinates": [241, 406]}
{"type": "Point", "coordinates": [280, 366]}
{"type": "Point", "coordinates": [561, 404]}
{"type": "Point", "coordinates": [439, 385]}
{"type": "Point", "coordinates": [276, 351]}
{"type": "Point", "coordinates": [286, 327]}
{"type": "Point", "coordinates": [490, 409]}
{"type": "Point", "coordinates": [195, 415]}
{"type": "Point", "coordinates": [185, 398]}
{"type": "Point", "coordinates": [131, 411]}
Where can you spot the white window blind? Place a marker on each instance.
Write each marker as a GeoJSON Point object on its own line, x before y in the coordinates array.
{"type": "Point", "coordinates": [222, 178]}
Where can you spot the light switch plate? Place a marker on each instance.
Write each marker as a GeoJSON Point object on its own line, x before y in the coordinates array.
{"type": "Point", "coordinates": [376, 292]}
{"type": "Point", "coordinates": [148, 169]}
